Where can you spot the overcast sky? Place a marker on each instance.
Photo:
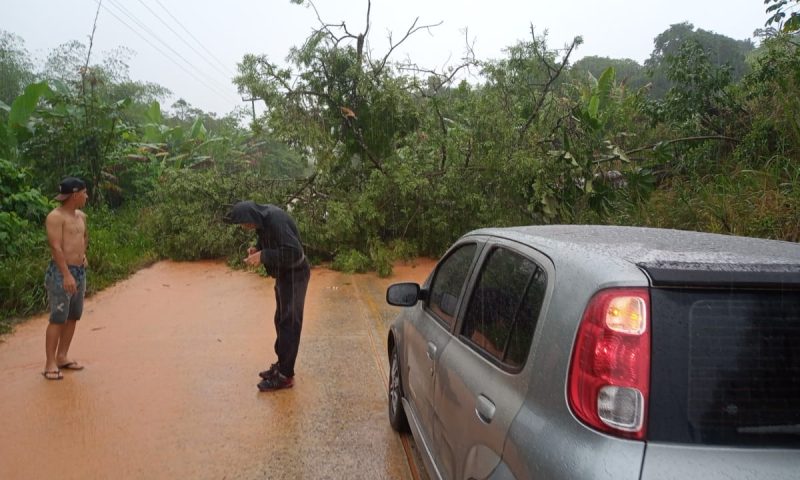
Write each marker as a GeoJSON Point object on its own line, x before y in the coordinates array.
{"type": "Point", "coordinates": [192, 47]}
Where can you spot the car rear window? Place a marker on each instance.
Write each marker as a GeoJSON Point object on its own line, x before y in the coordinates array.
{"type": "Point", "coordinates": [725, 367]}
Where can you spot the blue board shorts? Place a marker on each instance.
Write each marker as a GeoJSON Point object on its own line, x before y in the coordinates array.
{"type": "Point", "coordinates": [64, 306]}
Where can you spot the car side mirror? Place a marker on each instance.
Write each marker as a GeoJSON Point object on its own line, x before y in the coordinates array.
{"type": "Point", "coordinates": [404, 294]}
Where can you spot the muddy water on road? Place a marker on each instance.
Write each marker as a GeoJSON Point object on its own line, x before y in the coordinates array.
{"type": "Point", "coordinates": [172, 356]}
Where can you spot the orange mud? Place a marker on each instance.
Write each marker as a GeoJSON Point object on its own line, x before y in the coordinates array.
{"type": "Point", "coordinates": [169, 390]}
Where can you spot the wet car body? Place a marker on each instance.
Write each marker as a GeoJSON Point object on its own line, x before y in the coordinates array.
{"type": "Point", "coordinates": [597, 352]}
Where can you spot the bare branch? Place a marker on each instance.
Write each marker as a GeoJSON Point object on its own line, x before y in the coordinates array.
{"type": "Point", "coordinates": [369, 9]}
{"type": "Point", "coordinates": [308, 183]}
{"type": "Point", "coordinates": [554, 74]}
{"type": "Point", "coordinates": [550, 67]}
{"type": "Point", "coordinates": [85, 70]}
{"type": "Point", "coordinates": [444, 79]}
{"type": "Point", "coordinates": [617, 156]}
{"type": "Point", "coordinates": [392, 46]}
{"type": "Point", "coordinates": [683, 139]}
{"type": "Point", "coordinates": [326, 28]}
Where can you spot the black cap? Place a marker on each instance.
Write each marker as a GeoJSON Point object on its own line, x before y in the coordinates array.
{"type": "Point", "coordinates": [68, 186]}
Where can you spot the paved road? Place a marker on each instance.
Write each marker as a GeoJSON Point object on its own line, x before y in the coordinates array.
{"type": "Point", "coordinates": [171, 359]}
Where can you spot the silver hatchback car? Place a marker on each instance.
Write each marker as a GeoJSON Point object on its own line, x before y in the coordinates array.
{"type": "Point", "coordinates": [599, 352]}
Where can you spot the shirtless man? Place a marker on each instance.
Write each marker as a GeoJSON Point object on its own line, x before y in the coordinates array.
{"type": "Point", "coordinates": [65, 278]}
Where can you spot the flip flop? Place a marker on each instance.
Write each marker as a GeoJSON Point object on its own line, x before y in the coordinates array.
{"type": "Point", "coordinates": [71, 366]}
{"type": "Point", "coordinates": [53, 375]}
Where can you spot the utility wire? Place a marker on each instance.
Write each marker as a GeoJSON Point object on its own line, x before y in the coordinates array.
{"type": "Point", "coordinates": [199, 54]}
{"type": "Point", "coordinates": [190, 34]}
{"type": "Point", "coordinates": [219, 93]}
{"type": "Point", "coordinates": [144, 27]}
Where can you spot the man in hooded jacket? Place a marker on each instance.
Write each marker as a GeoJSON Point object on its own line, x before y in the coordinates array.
{"type": "Point", "coordinates": [279, 249]}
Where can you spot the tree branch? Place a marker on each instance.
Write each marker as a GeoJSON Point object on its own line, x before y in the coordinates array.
{"type": "Point", "coordinates": [683, 139]}
{"type": "Point", "coordinates": [553, 74]}
{"type": "Point", "coordinates": [305, 185]}
{"type": "Point", "coordinates": [392, 46]}
{"type": "Point", "coordinates": [363, 144]}
{"type": "Point", "coordinates": [617, 156]}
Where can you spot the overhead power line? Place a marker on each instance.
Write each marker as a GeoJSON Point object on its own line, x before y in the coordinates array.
{"type": "Point", "coordinates": [223, 95]}
{"type": "Point", "coordinates": [190, 34]}
{"type": "Point", "coordinates": [147, 29]}
{"type": "Point", "coordinates": [199, 54]}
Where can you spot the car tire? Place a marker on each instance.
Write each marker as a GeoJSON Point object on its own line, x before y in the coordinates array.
{"type": "Point", "coordinates": [397, 416]}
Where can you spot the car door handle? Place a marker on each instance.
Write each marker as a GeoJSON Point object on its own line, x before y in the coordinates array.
{"type": "Point", "coordinates": [485, 409]}
{"type": "Point", "coordinates": [431, 350]}
{"type": "Point", "coordinates": [431, 356]}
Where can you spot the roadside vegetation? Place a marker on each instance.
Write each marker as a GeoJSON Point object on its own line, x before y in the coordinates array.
{"type": "Point", "coordinates": [380, 159]}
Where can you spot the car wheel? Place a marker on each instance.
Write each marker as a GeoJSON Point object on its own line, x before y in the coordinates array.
{"type": "Point", "coordinates": [397, 416]}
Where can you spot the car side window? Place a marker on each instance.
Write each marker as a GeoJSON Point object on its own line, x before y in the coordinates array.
{"type": "Point", "coordinates": [501, 315]}
{"type": "Point", "coordinates": [448, 282]}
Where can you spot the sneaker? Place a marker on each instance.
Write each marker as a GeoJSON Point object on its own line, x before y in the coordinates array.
{"type": "Point", "coordinates": [273, 369]}
{"type": "Point", "coordinates": [275, 382]}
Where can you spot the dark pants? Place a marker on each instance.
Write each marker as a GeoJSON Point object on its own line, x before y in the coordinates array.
{"type": "Point", "coordinates": [290, 296]}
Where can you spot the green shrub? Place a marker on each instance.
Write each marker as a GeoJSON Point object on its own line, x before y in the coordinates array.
{"type": "Point", "coordinates": [381, 258]}
{"type": "Point", "coordinates": [403, 250]}
{"type": "Point", "coordinates": [22, 285]}
{"type": "Point", "coordinates": [118, 246]}
{"type": "Point", "coordinates": [187, 209]}
{"type": "Point", "coordinates": [754, 203]}
{"type": "Point", "coordinates": [351, 261]}
{"type": "Point", "coordinates": [21, 207]}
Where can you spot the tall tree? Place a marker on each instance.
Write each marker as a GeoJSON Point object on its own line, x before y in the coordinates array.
{"type": "Point", "coordinates": [16, 68]}
{"type": "Point", "coordinates": [721, 51]}
{"type": "Point", "coordinates": [629, 72]}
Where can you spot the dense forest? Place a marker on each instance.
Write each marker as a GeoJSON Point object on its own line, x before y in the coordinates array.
{"type": "Point", "coordinates": [381, 159]}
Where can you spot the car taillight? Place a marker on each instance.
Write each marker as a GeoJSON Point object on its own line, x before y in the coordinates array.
{"type": "Point", "coordinates": [609, 378]}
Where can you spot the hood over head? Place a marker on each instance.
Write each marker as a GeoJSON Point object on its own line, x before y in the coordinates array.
{"type": "Point", "coordinates": [247, 212]}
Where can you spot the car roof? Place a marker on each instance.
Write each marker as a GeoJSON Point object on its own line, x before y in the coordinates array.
{"type": "Point", "coordinates": [645, 246]}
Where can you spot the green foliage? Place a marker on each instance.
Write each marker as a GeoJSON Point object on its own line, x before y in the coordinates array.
{"type": "Point", "coordinates": [381, 259]}
{"type": "Point", "coordinates": [777, 14]}
{"type": "Point", "coordinates": [16, 69]}
{"type": "Point", "coordinates": [75, 134]}
{"type": "Point", "coordinates": [756, 203]}
{"type": "Point", "coordinates": [699, 91]}
{"type": "Point", "coordinates": [351, 261]}
{"type": "Point", "coordinates": [425, 160]}
{"type": "Point", "coordinates": [77, 123]}
{"type": "Point", "coordinates": [21, 207]}
{"type": "Point", "coordinates": [187, 209]}
{"type": "Point", "coordinates": [25, 104]}
{"type": "Point", "coordinates": [403, 250]}
{"type": "Point", "coordinates": [22, 285]}
{"type": "Point", "coordinates": [722, 52]}
{"type": "Point", "coordinates": [379, 160]}
{"type": "Point", "coordinates": [118, 247]}
{"type": "Point", "coordinates": [770, 97]}
{"type": "Point", "coordinates": [628, 71]}
{"type": "Point", "coordinates": [17, 196]}
{"type": "Point", "coordinates": [19, 125]}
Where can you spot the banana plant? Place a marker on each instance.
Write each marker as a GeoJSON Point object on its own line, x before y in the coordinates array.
{"type": "Point", "coordinates": [20, 124]}
{"type": "Point", "coordinates": [174, 146]}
